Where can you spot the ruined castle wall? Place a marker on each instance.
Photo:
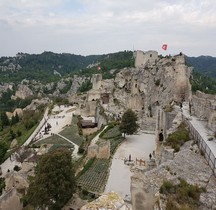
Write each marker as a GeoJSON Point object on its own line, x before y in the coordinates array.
{"type": "Point", "coordinates": [204, 107]}
{"type": "Point", "coordinates": [101, 151]}
{"type": "Point", "coordinates": [142, 58]}
{"type": "Point", "coordinates": [96, 81]}
{"type": "Point", "coordinates": [104, 150]}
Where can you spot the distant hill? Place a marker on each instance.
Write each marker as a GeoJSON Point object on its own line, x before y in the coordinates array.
{"type": "Point", "coordinates": [49, 66]}
{"type": "Point", "coordinates": [203, 64]}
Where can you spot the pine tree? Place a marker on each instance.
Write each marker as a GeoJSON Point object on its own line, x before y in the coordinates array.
{"type": "Point", "coordinates": [4, 119]}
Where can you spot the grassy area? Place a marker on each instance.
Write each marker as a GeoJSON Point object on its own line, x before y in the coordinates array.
{"type": "Point", "coordinates": [53, 140]}
{"type": "Point", "coordinates": [112, 134]}
{"type": "Point", "coordinates": [182, 196]}
{"type": "Point", "coordinates": [72, 134]}
{"type": "Point", "coordinates": [178, 138]}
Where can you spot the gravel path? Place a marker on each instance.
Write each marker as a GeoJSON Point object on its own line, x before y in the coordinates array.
{"type": "Point", "coordinates": [138, 146]}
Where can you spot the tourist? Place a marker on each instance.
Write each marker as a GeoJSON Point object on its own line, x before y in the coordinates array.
{"type": "Point", "coordinates": [150, 156]}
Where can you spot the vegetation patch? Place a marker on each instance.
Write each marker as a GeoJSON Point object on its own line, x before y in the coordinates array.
{"type": "Point", "coordinates": [178, 138]}
{"type": "Point", "coordinates": [95, 177]}
{"type": "Point", "coordinates": [181, 196]}
{"type": "Point", "coordinates": [168, 108]}
{"type": "Point", "coordinates": [112, 131]}
{"type": "Point", "coordinates": [2, 184]}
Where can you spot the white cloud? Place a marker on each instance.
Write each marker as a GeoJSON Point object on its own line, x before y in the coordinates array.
{"type": "Point", "coordinates": [86, 24]}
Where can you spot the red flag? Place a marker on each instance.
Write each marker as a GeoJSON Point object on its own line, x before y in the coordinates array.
{"type": "Point", "coordinates": [99, 68]}
{"type": "Point", "coordinates": [164, 47]}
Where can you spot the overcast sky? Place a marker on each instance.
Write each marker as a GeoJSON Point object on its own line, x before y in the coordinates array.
{"type": "Point", "coordinates": [103, 26]}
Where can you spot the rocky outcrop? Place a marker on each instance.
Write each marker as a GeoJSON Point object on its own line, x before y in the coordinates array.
{"type": "Point", "coordinates": [4, 87]}
{"type": "Point", "coordinates": [145, 89]}
{"type": "Point", "coordinates": [195, 170]}
{"type": "Point", "coordinates": [204, 106]}
{"type": "Point", "coordinates": [23, 92]}
{"type": "Point", "coordinates": [110, 200]}
{"type": "Point", "coordinates": [36, 103]}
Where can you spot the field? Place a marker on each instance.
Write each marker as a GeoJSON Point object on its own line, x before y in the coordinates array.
{"type": "Point", "coordinates": [94, 179]}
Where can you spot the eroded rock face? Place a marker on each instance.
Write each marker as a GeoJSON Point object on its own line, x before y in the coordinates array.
{"type": "Point", "coordinates": [204, 106]}
{"type": "Point", "coordinates": [23, 92]}
{"type": "Point", "coordinates": [143, 89]}
{"type": "Point", "coordinates": [36, 103]}
{"type": "Point", "coordinates": [187, 164]}
{"type": "Point", "coordinates": [110, 200]}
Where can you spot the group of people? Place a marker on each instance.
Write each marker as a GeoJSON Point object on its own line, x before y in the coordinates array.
{"type": "Point", "coordinates": [130, 160]}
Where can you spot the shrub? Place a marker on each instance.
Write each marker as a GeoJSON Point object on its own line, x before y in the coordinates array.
{"type": "Point", "coordinates": [178, 138]}
{"type": "Point", "coordinates": [16, 168]}
{"type": "Point", "coordinates": [157, 82]}
{"type": "Point", "coordinates": [19, 133]}
{"type": "Point", "coordinates": [181, 196]}
{"type": "Point", "coordinates": [2, 184]}
{"type": "Point", "coordinates": [167, 187]}
{"type": "Point", "coordinates": [81, 150]}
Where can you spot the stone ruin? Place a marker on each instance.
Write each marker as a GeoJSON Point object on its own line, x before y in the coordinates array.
{"type": "Point", "coordinates": [101, 151]}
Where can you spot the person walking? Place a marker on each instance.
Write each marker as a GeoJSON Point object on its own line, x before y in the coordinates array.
{"type": "Point", "coordinates": [150, 156]}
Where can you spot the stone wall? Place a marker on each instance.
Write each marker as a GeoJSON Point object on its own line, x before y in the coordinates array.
{"type": "Point", "coordinates": [101, 151]}
{"type": "Point", "coordinates": [96, 81]}
{"type": "Point", "coordinates": [104, 150]}
{"type": "Point", "coordinates": [142, 58]}
{"type": "Point", "coordinates": [204, 107]}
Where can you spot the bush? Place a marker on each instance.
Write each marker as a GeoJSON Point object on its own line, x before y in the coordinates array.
{"type": "Point", "coordinates": [2, 184]}
{"type": "Point", "coordinates": [181, 196]}
{"type": "Point", "coordinates": [157, 82]}
{"type": "Point", "coordinates": [178, 138]}
{"type": "Point", "coordinates": [167, 187]}
{"type": "Point", "coordinates": [19, 133]}
{"type": "Point", "coordinates": [16, 168]}
{"type": "Point", "coordinates": [81, 150]}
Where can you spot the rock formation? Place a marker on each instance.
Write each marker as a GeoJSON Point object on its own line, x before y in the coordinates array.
{"type": "Point", "coordinates": [195, 170]}
{"type": "Point", "coordinates": [23, 92]}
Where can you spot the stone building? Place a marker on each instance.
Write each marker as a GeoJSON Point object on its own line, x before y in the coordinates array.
{"type": "Point", "coordinates": [141, 58]}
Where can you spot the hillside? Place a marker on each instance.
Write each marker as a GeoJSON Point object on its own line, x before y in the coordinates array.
{"type": "Point", "coordinates": [203, 64]}
{"type": "Point", "coordinates": [49, 66]}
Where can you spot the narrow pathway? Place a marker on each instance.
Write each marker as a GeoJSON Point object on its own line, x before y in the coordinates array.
{"type": "Point", "coordinates": [95, 139]}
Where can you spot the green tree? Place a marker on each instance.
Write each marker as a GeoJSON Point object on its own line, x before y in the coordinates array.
{"type": "Point", "coordinates": [3, 150]}
{"type": "Point", "coordinates": [4, 119]}
{"type": "Point", "coordinates": [2, 184]}
{"type": "Point", "coordinates": [54, 181]}
{"type": "Point", "coordinates": [129, 123]}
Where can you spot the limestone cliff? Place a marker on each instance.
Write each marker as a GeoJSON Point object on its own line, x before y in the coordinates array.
{"type": "Point", "coordinates": [155, 83]}
{"type": "Point", "coordinates": [195, 170]}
